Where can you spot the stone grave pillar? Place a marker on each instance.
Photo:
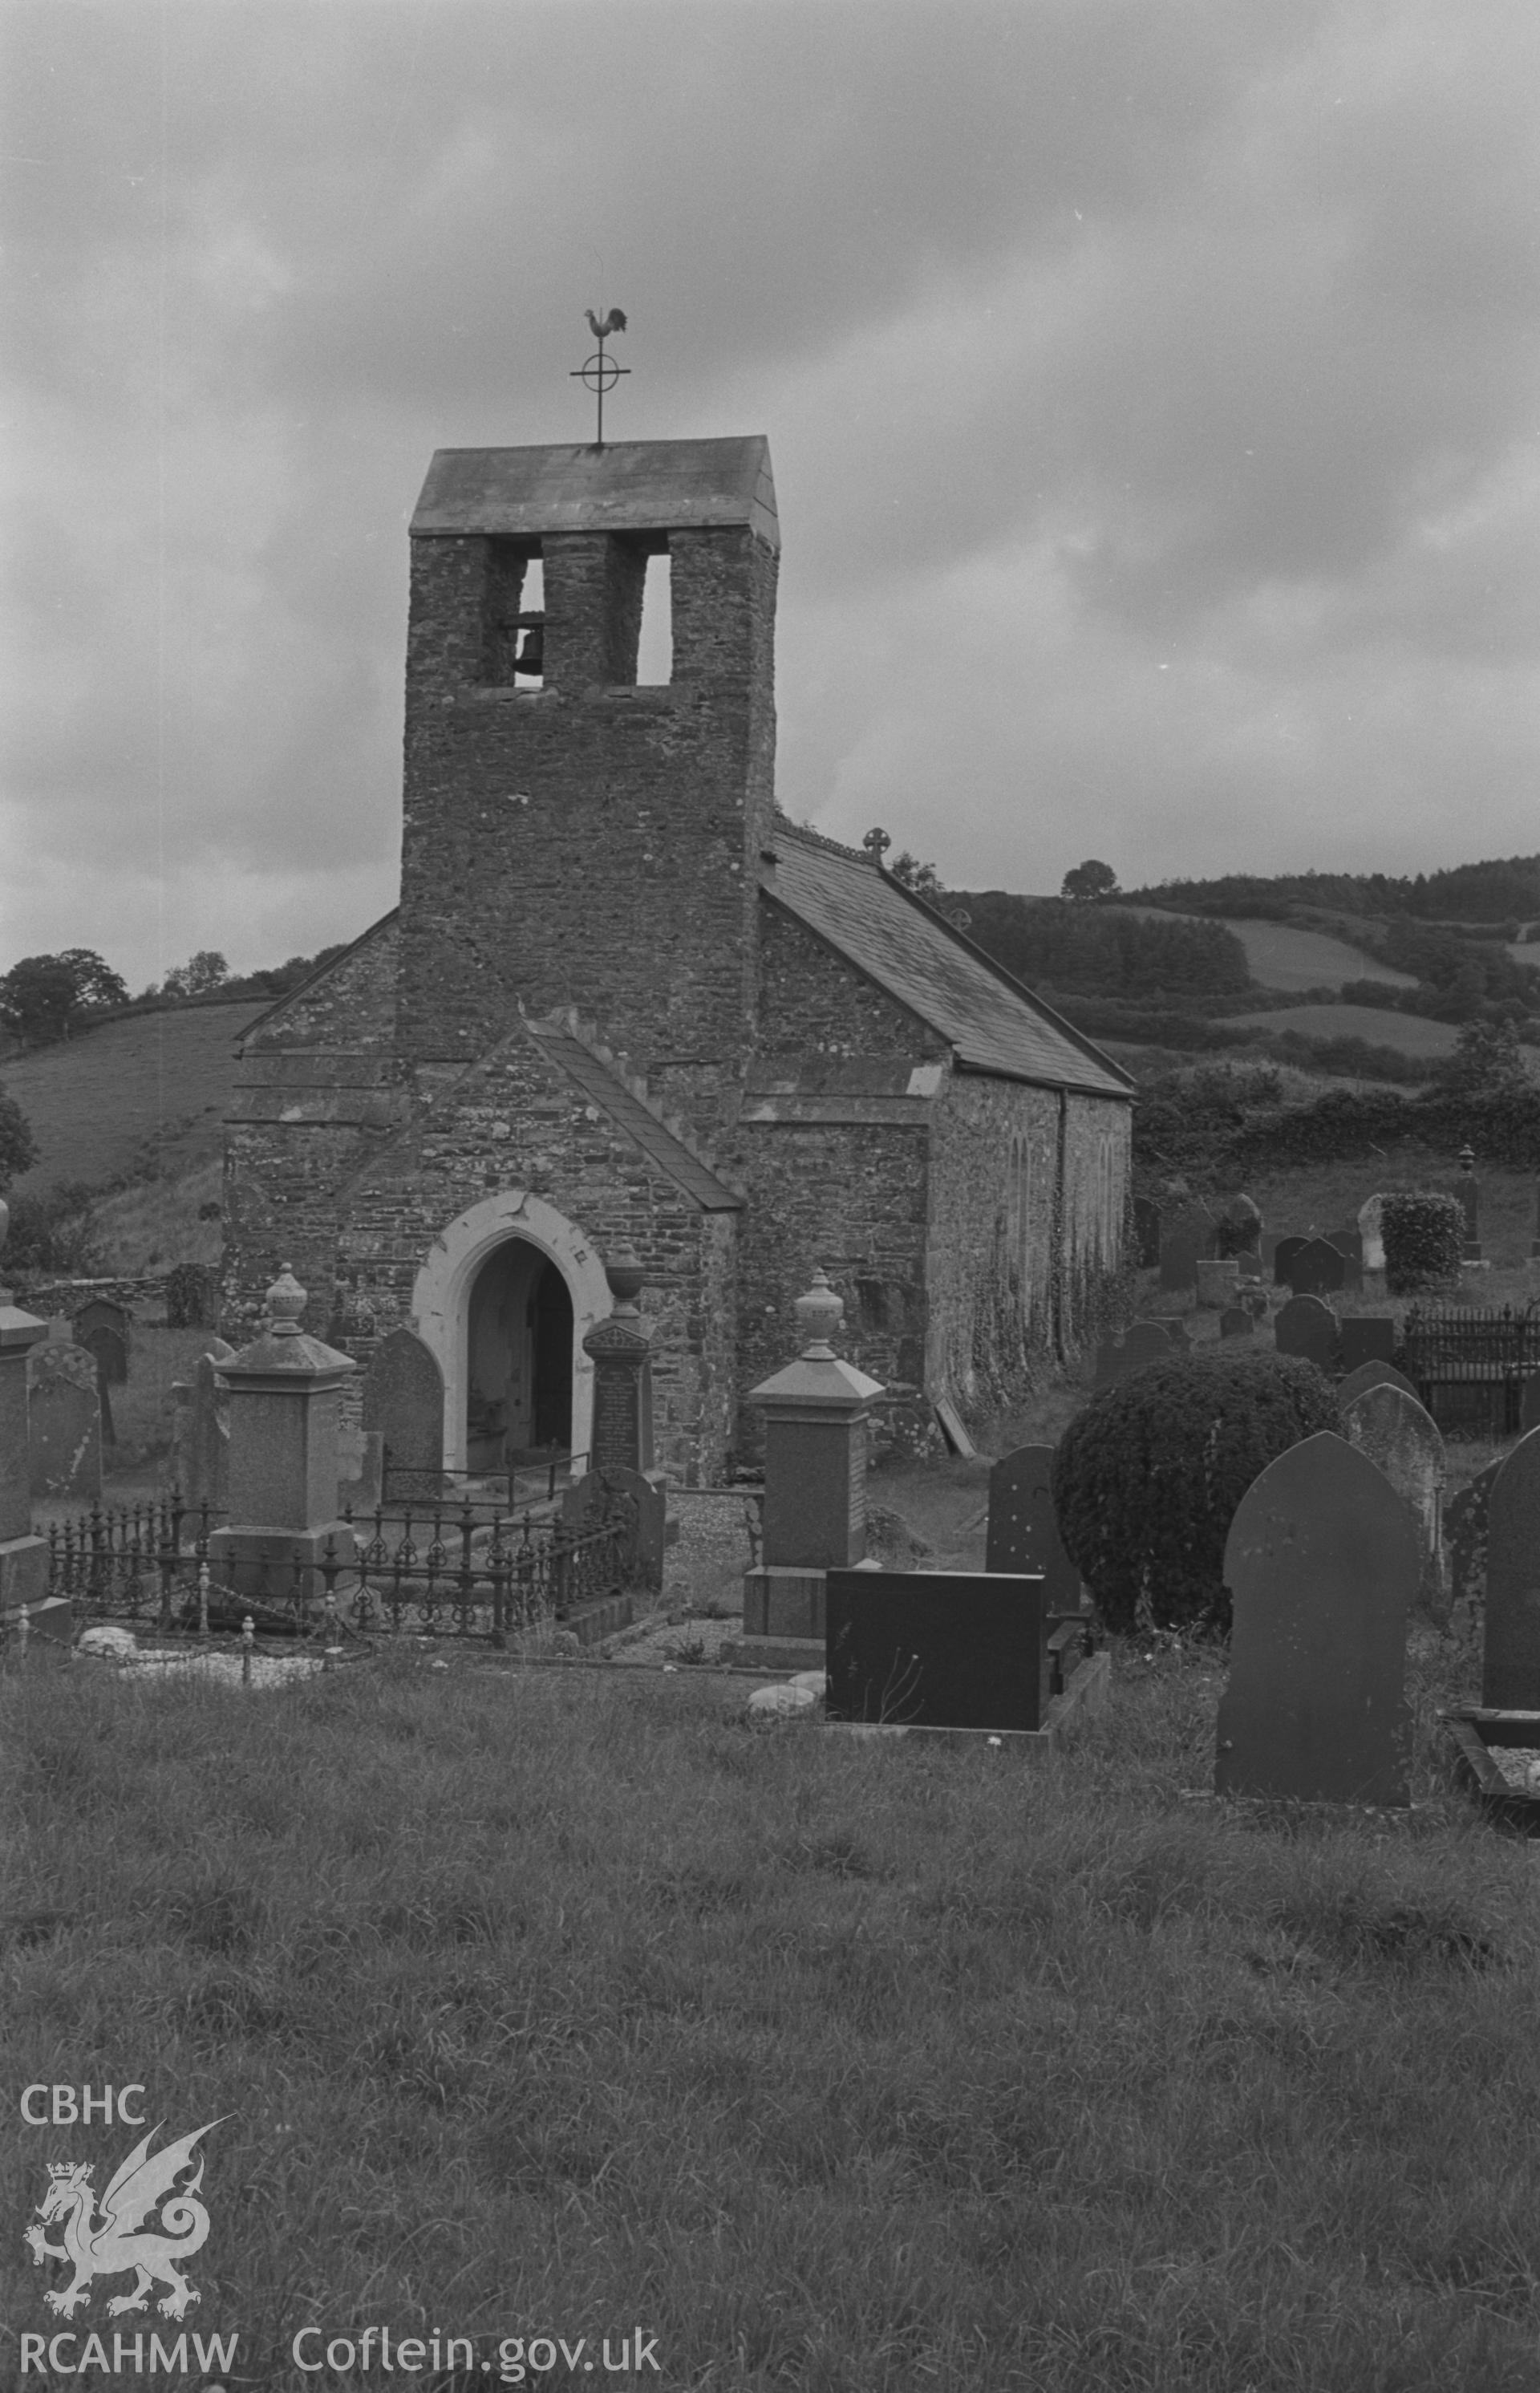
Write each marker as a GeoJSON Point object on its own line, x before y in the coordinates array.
{"type": "Point", "coordinates": [282, 1451]}
{"type": "Point", "coordinates": [816, 1416]}
{"type": "Point", "coordinates": [621, 1455]}
{"type": "Point", "coordinates": [1467, 1188]}
{"type": "Point", "coordinates": [23, 1558]}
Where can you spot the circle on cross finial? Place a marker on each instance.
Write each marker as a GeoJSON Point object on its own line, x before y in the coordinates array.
{"type": "Point", "coordinates": [876, 844]}
{"type": "Point", "coordinates": [284, 1301]}
{"type": "Point", "coordinates": [599, 372]}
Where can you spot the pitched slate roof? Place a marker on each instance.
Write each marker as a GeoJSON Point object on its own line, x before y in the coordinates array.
{"type": "Point", "coordinates": [626, 485]}
{"type": "Point", "coordinates": [591, 1071]}
{"type": "Point", "coordinates": [994, 1024]}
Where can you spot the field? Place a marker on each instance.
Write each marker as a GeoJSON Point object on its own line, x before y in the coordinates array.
{"type": "Point", "coordinates": [95, 1102]}
{"type": "Point", "coordinates": [1281, 957]}
{"type": "Point", "coordinates": [564, 2004]}
{"type": "Point", "coordinates": [1409, 1034]}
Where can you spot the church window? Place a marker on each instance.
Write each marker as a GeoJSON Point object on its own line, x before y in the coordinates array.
{"type": "Point", "coordinates": [655, 647]}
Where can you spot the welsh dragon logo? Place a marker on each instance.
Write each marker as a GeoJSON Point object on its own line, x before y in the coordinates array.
{"type": "Point", "coordinates": [117, 2238]}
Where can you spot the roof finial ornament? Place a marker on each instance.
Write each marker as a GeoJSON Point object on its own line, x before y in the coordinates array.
{"type": "Point", "coordinates": [876, 844]}
{"type": "Point", "coordinates": [599, 374]}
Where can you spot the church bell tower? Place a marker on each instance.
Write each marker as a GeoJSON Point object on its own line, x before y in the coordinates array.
{"type": "Point", "coordinates": [573, 837]}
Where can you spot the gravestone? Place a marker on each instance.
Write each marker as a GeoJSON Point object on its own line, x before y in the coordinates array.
{"type": "Point", "coordinates": [1271, 1242]}
{"type": "Point", "coordinates": [1467, 1188]}
{"type": "Point", "coordinates": [1394, 1430]}
{"type": "Point", "coordinates": [1146, 1233]}
{"type": "Point", "coordinates": [1233, 1322]}
{"type": "Point", "coordinates": [1322, 1565]}
{"type": "Point", "coordinates": [1219, 1278]}
{"type": "Point", "coordinates": [1349, 1246]}
{"type": "Point", "coordinates": [1366, 1339]}
{"type": "Point", "coordinates": [1180, 1249]}
{"type": "Point", "coordinates": [1529, 1411]}
{"type": "Point", "coordinates": [936, 1648]}
{"type": "Point", "coordinates": [1250, 1263]}
{"type": "Point", "coordinates": [1316, 1269]}
{"type": "Point", "coordinates": [1304, 1326]}
{"type": "Point", "coordinates": [63, 1423]}
{"type": "Point", "coordinates": [1378, 1374]}
{"type": "Point", "coordinates": [1371, 1229]}
{"type": "Point", "coordinates": [106, 1329]}
{"type": "Point", "coordinates": [1511, 1669]}
{"type": "Point", "coordinates": [1243, 1221]}
{"type": "Point", "coordinates": [1466, 1518]}
{"type": "Point", "coordinates": [1147, 1341]}
{"type": "Point", "coordinates": [1283, 1255]}
{"type": "Point", "coordinates": [403, 1399]}
{"type": "Point", "coordinates": [360, 1468]}
{"type": "Point", "coordinates": [1023, 1535]}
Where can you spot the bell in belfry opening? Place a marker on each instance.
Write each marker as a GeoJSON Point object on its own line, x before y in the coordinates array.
{"type": "Point", "coordinates": [531, 655]}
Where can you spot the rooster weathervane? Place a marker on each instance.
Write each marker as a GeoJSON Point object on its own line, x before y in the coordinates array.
{"type": "Point", "coordinates": [599, 372]}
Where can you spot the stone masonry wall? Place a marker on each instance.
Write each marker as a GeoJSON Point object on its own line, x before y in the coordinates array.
{"type": "Point", "coordinates": [351, 1005]}
{"type": "Point", "coordinates": [590, 844]}
{"type": "Point", "coordinates": [1016, 1268]}
{"type": "Point", "coordinates": [813, 1004]}
{"type": "Point", "coordinates": [514, 1121]}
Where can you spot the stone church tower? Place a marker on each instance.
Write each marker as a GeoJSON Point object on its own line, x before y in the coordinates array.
{"type": "Point", "coordinates": [623, 1001]}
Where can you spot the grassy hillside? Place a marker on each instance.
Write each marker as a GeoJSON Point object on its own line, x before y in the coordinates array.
{"type": "Point", "coordinates": [1410, 1034]}
{"type": "Point", "coordinates": [1285, 956]}
{"type": "Point", "coordinates": [148, 1092]}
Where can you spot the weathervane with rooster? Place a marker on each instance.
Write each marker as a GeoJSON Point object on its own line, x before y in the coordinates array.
{"type": "Point", "coordinates": [599, 372]}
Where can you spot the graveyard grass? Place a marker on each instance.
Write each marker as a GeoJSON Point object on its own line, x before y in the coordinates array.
{"type": "Point", "coordinates": [565, 2001]}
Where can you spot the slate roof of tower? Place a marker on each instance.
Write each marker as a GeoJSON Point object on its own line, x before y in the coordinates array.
{"type": "Point", "coordinates": [994, 1024]}
{"type": "Point", "coordinates": [625, 486]}
{"type": "Point", "coordinates": [604, 1087]}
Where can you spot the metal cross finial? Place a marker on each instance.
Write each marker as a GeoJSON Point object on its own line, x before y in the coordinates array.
{"type": "Point", "coordinates": [876, 844]}
{"type": "Point", "coordinates": [599, 374]}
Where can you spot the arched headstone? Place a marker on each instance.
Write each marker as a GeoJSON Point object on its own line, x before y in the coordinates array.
{"type": "Point", "coordinates": [1304, 1326]}
{"type": "Point", "coordinates": [1024, 1526]}
{"type": "Point", "coordinates": [1510, 1670]}
{"type": "Point", "coordinates": [1394, 1430]}
{"type": "Point", "coordinates": [1283, 1255]}
{"type": "Point", "coordinates": [403, 1398]}
{"type": "Point", "coordinates": [1322, 1565]}
{"type": "Point", "coordinates": [1349, 1246]}
{"type": "Point", "coordinates": [1316, 1268]}
{"type": "Point", "coordinates": [1466, 1518]}
{"type": "Point", "coordinates": [1147, 1341]}
{"type": "Point", "coordinates": [1372, 1375]}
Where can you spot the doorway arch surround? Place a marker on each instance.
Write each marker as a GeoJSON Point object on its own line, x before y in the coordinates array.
{"type": "Point", "coordinates": [442, 1297]}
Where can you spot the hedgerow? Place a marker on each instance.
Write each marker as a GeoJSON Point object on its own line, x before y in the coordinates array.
{"type": "Point", "coordinates": [1424, 1234]}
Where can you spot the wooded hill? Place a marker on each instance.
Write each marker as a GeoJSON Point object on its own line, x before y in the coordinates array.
{"type": "Point", "coordinates": [1504, 891]}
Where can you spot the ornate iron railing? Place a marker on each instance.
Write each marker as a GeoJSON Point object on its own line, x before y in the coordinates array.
{"type": "Point", "coordinates": [460, 1570]}
{"type": "Point", "coordinates": [1470, 1368]}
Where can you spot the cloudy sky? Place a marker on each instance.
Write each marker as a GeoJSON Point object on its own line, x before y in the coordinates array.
{"type": "Point", "coordinates": [1151, 387]}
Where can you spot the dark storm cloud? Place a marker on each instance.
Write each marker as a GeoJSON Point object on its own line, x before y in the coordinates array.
{"type": "Point", "coordinates": [1151, 394]}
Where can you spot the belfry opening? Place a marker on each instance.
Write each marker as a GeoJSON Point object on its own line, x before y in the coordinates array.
{"type": "Point", "coordinates": [519, 1333]}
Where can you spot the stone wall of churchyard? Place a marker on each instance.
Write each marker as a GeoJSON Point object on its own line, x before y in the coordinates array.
{"type": "Point", "coordinates": [814, 1004]}
{"type": "Point", "coordinates": [514, 1121]}
{"type": "Point", "coordinates": [1021, 1254]}
{"type": "Point", "coordinates": [590, 843]}
{"type": "Point", "coordinates": [848, 1198]}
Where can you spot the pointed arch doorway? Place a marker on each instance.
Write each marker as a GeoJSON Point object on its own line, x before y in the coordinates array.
{"type": "Point", "coordinates": [452, 1308]}
{"type": "Point", "coordinates": [519, 1355]}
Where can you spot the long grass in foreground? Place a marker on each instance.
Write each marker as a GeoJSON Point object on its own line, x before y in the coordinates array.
{"type": "Point", "coordinates": [567, 2004]}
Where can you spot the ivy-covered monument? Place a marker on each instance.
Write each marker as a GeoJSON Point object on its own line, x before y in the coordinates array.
{"type": "Point", "coordinates": [624, 1002]}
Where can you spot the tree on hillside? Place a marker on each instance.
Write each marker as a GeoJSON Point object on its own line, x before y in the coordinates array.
{"type": "Point", "coordinates": [1487, 1059]}
{"type": "Point", "coordinates": [18, 1147]}
{"type": "Point", "coordinates": [43, 996]}
{"type": "Point", "coordinates": [922, 878]}
{"type": "Point", "coordinates": [207, 969]}
{"type": "Point", "coordinates": [1089, 880]}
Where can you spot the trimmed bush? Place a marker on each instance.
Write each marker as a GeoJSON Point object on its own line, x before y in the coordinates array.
{"type": "Point", "coordinates": [1424, 1233]}
{"type": "Point", "coordinates": [1147, 1479]}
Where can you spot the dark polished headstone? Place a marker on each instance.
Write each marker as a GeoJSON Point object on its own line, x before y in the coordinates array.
{"type": "Point", "coordinates": [1366, 1338]}
{"type": "Point", "coordinates": [1322, 1565]}
{"type": "Point", "coordinates": [106, 1329]}
{"type": "Point", "coordinates": [403, 1398]}
{"type": "Point", "coordinates": [936, 1648]}
{"type": "Point", "coordinates": [1147, 1341]}
{"type": "Point", "coordinates": [1304, 1326]}
{"type": "Point", "coordinates": [1023, 1535]}
{"type": "Point", "coordinates": [1316, 1269]}
{"type": "Point", "coordinates": [1378, 1374]}
{"type": "Point", "coordinates": [1283, 1255]}
{"type": "Point", "coordinates": [1349, 1246]}
{"type": "Point", "coordinates": [1510, 1670]}
{"type": "Point", "coordinates": [1466, 1519]}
